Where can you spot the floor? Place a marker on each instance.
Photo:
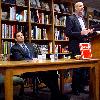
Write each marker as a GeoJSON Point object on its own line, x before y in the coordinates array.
{"type": "Point", "coordinates": [44, 94]}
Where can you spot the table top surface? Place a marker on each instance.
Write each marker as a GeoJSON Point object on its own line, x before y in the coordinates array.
{"type": "Point", "coordinates": [10, 64]}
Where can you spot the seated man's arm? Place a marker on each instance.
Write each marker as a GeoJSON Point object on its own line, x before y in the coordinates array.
{"type": "Point", "coordinates": [17, 54]}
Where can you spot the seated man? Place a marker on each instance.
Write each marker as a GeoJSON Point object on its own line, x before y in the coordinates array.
{"type": "Point", "coordinates": [27, 51]}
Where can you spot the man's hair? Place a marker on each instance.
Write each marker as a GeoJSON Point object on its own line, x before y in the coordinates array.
{"type": "Point", "coordinates": [77, 3]}
{"type": "Point", "coordinates": [16, 33]}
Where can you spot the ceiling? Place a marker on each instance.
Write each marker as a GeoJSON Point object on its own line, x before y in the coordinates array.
{"type": "Point", "coordinates": [91, 3]}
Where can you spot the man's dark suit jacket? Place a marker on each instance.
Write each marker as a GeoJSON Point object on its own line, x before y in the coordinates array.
{"type": "Point", "coordinates": [73, 31]}
{"type": "Point", "coordinates": [18, 52]}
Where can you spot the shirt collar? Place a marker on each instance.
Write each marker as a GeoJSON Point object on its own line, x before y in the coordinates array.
{"type": "Point", "coordinates": [78, 15]}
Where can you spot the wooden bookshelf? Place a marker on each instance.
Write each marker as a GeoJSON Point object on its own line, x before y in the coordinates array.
{"type": "Point", "coordinates": [36, 21]}
{"type": "Point", "coordinates": [42, 23]}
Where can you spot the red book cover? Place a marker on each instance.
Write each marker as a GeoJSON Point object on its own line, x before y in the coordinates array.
{"type": "Point", "coordinates": [85, 49]}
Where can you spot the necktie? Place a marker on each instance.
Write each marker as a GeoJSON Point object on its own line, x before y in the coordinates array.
{"type": "Point", "coordinates": [24, 47]}
{"type": "Point", "coordinates": [26, 50]}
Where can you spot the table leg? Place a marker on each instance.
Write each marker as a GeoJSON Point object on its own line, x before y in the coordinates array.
{"type": "Point", "coordinates": [8, 84]}
{"type": "Point", "coordinates": [94, 82]}
{"type": "Point", "coordinates": [97, 72]}
{"type": "Point", "coordinates": [62, 81]}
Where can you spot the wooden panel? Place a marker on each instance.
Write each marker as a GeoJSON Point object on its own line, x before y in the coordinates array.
{"type": "Point", "coordinates": [96, 51]}
{"type": "Point", "coordinates": [96, 47]}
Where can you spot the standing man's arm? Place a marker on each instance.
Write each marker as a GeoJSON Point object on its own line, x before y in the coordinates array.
{"type": "Point", "coordinates": [72, 28]}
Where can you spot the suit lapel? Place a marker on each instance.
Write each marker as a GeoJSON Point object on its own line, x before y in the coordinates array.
{"type": "Point", "coordinates": [77, 22]}
{"type": "Point", "coordinates": [21, 49]}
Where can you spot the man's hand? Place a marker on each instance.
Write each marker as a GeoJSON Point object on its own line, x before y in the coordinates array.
{"type": "Point", "coordinates": [86, 31]}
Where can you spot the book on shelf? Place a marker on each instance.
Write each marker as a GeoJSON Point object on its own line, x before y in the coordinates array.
{"type": "Point", "coordinates": [56, 34]}
{"type": "Point", "coordinates": [13, 30]}
{"type": "Point", "coordinates": [39, 33]}
{"type": "Point", "coordinates": [56, 21]}
{"type": "Point", "coordinates": [44, 34]}
{"type": "Point", "coordinates": [3, 30]}
{"type": "Point", "coordinates": [6, 46]}
{"type": "Point", "coordinates": [35, 32]}
{"type": "Point", "coordinates": [50, 47]}
{"type": "Point", "coordinates": [12, 13]}
{"type": "Point", "coordinates": [8, 31]}
{"type": "Point", "coordinates": [58, 48]}
{"type": "Point", "coordinates": [46, 19]}
{"type": "Point", "coordinates": [41, 18]}
{"type": "Point", "coordinates": [21, 15]}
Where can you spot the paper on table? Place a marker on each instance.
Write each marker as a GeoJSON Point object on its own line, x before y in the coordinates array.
{"type": "Point", "coordinates": [98, 32]}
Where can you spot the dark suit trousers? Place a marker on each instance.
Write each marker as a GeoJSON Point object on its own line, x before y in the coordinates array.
{"type": "Point", "coordinates": [50, 78]}
{"type": "Point", "coordinates": [80, 78]}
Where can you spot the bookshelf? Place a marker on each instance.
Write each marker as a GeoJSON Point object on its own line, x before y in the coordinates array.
{"type": "Point", "coordinates": [42, 22]}
{"type": "Point", "coordinates": [62, 9]}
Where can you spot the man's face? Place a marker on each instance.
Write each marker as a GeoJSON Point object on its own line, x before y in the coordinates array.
{"type": "Point", "coordinates": [19, 37]}
{"type": "Point", "coordinates": [79, 7]}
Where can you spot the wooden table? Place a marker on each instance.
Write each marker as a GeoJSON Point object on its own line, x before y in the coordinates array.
{"type": "Point", "coordinates": [10, 68]}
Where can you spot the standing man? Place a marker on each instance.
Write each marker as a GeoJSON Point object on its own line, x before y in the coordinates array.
{"type": "Point", "coordinates": [27, 51]}
{"type": "Point", "coordinates": [78, 33]}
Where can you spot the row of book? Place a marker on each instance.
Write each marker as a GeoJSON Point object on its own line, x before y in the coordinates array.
{"type": "Point", "coordinates": [8, 31]}
{"type": "Point", "coordinates": [21, 15]}
{"type": "Point", "coordinates": [6, 47]}
{"type": "Point", "coordinates": [60, 34]}
{"type": "Point", "coordinates": [45, 49]}
{"type": "Point", "coordinates": [39, 33]}
{"type": "Point", "coordinates": [38, 17]}
{"type": "Point", "coordinates": [60, 49]}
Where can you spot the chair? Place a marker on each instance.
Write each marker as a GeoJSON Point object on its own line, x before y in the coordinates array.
{"type": "Point", "coordinates": [17, 81]}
